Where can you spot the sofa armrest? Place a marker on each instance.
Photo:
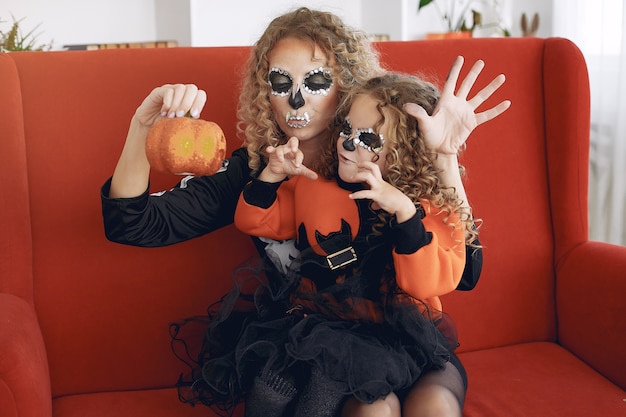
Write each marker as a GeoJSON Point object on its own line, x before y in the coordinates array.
{"type": "Point", "coordinates": [24, 376]}
{"type": "Point", "coordinates": [591, 284]}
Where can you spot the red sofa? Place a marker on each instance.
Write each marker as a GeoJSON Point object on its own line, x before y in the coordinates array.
{"type": "Point", "coordinates": [84, 322]}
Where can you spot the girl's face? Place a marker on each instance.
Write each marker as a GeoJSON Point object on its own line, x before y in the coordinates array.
{"type": "Point", "coordinates": [303, 96]}
{"type": "Point", "coordinates": [359, 140]}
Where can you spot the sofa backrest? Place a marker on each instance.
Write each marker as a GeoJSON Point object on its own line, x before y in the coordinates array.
{"type": "Point", "coordinates": [527, 178]}
{"type": "Point", "coordinates": [104, 308]}
{"type": "Point", "coordinates": [15, 243]}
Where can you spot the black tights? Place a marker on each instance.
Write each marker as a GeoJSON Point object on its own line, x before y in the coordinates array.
{"type": "Point", "coordinates": [438, 393]}
{"type": "Point", "coordinates": [321, 397]}
{"type": "Point", "coordinates": [269, 396]}
{"type": "Point", "coordinates": [453, 377]}
{"type": "Point", "coordinates": [274, 395]}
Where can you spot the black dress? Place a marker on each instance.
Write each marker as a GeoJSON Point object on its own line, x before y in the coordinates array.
{"type": "Point", "coordinates": [335, 305]}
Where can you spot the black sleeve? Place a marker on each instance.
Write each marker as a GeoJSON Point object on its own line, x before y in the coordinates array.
{"type": "Point", "coordinates": [473, 267]}
{"type": "Point", "coordinates": [196, 206]}
{"type": "Point", "coordinates": [260, 193]}
{"type": "Point", "coordinates": [411, 235]}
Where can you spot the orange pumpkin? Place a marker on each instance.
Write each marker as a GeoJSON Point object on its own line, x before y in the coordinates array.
{"type": "Point", "coordinates": [184, 146]}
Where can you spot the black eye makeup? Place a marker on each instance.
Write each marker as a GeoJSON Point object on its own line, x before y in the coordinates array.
{"type": "Point", "coordinates": [346, 129]}
{"type": "Point", "coordinates": [317, 82]}
{"type": "Point", "coordinates": [280, 82]}
{"type": "Point", "coordinates": [365, 138]}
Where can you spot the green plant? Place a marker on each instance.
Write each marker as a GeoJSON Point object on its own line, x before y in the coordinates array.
{"type": "Point", "coordinates": [452, 18]}
{"type": "Point", "coordinates": [456, 21]}
{"type": "Point", "coordinates": [15, 40]}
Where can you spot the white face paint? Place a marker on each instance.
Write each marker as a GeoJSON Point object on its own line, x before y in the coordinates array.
{"type": "Point", "coordinates": [359, 141]}
{"type": "Point", "coordinates": [304, 97]}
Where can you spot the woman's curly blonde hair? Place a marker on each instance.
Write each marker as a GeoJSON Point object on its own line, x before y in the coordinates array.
{"type": "Point", "coordinates": [410, 164]}
{"type": "Point", "coordinates": [353, 59]}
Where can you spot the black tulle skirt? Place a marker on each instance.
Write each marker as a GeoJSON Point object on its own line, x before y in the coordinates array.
{"type": "Point", "coordinates": [372, 345]}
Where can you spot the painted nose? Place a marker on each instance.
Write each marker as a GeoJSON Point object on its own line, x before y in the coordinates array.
{"type": "Point", "coordinates": [296, 100]}
{"type": "Point", "coordinates": [348, 145]}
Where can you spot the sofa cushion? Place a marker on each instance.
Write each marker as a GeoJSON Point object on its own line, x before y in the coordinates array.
{"type": "Point", "coordinates": [537, 379]}
{"type": "Point", "coordinates": [532, 379]}
{"type": "Point", "coordinates": [148, 403]}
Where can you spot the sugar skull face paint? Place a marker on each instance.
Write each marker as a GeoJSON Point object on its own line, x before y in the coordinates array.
{"type": "Point", "coordinates": [316, 81]}
{"type": "Point", "coordinates": [303, 95]}
{"type": "Point", "coordinates": [365, 138]}
{"type": "Point", "coordinates": [359, 141]}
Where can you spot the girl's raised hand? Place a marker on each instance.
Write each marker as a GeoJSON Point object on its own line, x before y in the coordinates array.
{"type": "Point", "coordinates": [171, 100]}
{"type": "Point", "coordinates": [455, 116]}
{"type": "Point", "coordinates": [384, 195]}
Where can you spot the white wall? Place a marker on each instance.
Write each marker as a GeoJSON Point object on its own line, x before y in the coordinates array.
{"type": "Point", "coordinates": [172, 21]}
{"type": "Point", "coordinates": [190, 22]}
{"type": "Point", "coordinates": [226, 22]}
{"type": "Point", "coordinates": [241, 22]}
{"type": "Point", "coordinates": [381, 17]}
{"type": "Point", "coordinates": [83, 21]}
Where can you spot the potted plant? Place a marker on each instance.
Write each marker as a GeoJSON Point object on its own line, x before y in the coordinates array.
{"type": "Point", "coordinates": [14, 40]}
{"type": "Point", "coordinates": [455, 14]}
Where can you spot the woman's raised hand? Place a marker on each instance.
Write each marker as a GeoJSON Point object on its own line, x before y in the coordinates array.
{"type": "Point", "coordinates": [455, 116]}
{"type": "Point", "coordinates": [285, 161]}
{"type": "Point", "coordinates": [131, 175]}
{"type": "Point", "coordinates": [171, 100]}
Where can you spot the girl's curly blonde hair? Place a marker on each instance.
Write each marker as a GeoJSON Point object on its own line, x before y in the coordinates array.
{"type": "Point", "coordinates": [409, 162]}
{"type": "Point", "coordinates": [353, 59]}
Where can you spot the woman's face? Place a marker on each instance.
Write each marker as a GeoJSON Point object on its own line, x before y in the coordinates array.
{"type": "Point", "coordinates": [304, 97]}
{"type": "Point", "coordinates": [360, 141]}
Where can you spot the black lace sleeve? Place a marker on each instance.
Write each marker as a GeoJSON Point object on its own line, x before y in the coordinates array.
{"type": "Point", "coordinates": [194, 207]}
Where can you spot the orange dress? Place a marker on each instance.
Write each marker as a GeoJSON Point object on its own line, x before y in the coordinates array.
{"type": "Point", "coordinates": [428, 254]}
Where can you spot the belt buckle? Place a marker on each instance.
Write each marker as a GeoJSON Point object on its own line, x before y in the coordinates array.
{"type": "Point", "coordinates": [341, 258]}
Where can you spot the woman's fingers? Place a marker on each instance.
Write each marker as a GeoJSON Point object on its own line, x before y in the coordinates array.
{"type": "Point", "coordinates": [493, 112]}
{"type": "Point", "coordinates": [181, 99]}
{"type": "Point", "coordinates": [470, 79]}
{"type": "Point", "coordinates": [453, 76]}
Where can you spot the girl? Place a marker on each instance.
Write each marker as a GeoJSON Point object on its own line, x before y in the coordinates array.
{"type": "Point", "coordinates": [380, 239]}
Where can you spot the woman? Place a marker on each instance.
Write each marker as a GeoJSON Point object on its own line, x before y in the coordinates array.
{"type": "Point", "coordinates": [296, 44]}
